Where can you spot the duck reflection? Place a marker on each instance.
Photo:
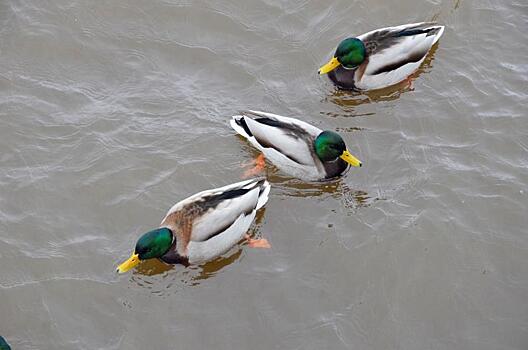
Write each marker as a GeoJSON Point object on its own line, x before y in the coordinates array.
{"type": "Point", "coordinates": [335, 188]}
{"type": "Point", "coordinates": [158, 281]}
{"type": "Point", "coordinates": [211, 268]}
{"type": "Point", "coordinates": [292, 187]}
{"type": "Point", "coordinates": [153, 267]}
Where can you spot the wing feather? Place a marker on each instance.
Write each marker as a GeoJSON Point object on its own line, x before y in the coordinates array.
{"type": "Point", "coordinates": [221, 216]}
{"type": "Point", "coordinates": [200, 252]}
{"type": "Point", "coordinates": [209, 213]}
{"type": "Point", "coordinates": [393, 47]}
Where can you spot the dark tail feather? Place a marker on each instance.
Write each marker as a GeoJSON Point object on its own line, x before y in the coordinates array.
{"type": "Point", "coordinates": [416, 31]}
{"type": "Point", "coordinates": [241, 122]}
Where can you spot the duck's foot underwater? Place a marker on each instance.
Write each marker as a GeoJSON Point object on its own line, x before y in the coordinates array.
{"type": "Point", "coordinates": [408, 83]}
{"type": "Point", "coordinates": [259, 162]}
{"type": "Point", "coordinates": [257, 243]}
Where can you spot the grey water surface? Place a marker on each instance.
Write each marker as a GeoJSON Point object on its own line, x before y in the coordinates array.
{"type": "Point", "coordinates": [112, 111]}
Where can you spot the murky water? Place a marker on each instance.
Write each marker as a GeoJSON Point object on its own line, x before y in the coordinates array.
{"type": "Point", "coordinates": [111, 111]}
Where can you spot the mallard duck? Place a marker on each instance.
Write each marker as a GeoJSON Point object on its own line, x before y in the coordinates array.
{"type": "Point", "coordinates": [3, 344]}
{"type": "Point", "coordinates": [382, 57]}
{"type": "Point", "coordinates": [203, 226]}
{"type": "Point", "coordinates": [295, 147]}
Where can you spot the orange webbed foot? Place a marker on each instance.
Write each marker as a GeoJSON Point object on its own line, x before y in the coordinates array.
{"type": "Point", "coordinates": [408, 83]}
{"type": "Point", "coordinates": [259, 162]}
{"type": "Point", "coordinates": [258, 243]}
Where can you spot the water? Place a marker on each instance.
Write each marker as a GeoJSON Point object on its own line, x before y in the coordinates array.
{"type": "Point", "coordinates": [110, 112]}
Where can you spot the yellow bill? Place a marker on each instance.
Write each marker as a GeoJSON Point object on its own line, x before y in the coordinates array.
{"type": "Point", "coordinates": [350, 159]}
{"type": "Point", "coordinates": [330, 66]}
{"type": "Point", "coordinates": [132, 262]}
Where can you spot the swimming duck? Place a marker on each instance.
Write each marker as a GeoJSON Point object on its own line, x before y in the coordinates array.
{"type": "Point", "coordinates": [3, 344]}
{"type": "Point", "coordinates": [203, 226]}
{"type": "Point", "coordinates": [295, 147]}
{"type": "Point", "coordinates": [382, 57]}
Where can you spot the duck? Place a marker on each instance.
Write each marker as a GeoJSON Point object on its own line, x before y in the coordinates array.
{"type": "Point", "coordinates": [3, 344]}
{"type": "Point", "coordinates": [294, 146]}
{"type": "Point", "coordinates": [382, 57]}
{"type": "Point", "coordinates": [204, 226]}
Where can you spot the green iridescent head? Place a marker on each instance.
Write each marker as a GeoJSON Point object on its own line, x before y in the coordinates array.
{"type": "Point", "coordinates": [153, 244]}
{"type": "Point", "coordinates": [329, 146]}
{"type": "Point", "coordinates": [350, 53]}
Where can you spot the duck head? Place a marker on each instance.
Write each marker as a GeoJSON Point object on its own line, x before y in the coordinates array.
{"type": "Point", "coordinates": [329, 146]}
{"type": "Point", "coordinates": [153, 244]}
{"type": "Point", "coordinates": [350, 54]}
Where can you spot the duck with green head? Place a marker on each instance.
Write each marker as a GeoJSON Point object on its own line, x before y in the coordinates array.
{"type": "Point", "coordinates": [296, 147]}
{"type": "Point", "coordinates": [382, 57]}
{"type": "Point", "coordinates": [203, 226]}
